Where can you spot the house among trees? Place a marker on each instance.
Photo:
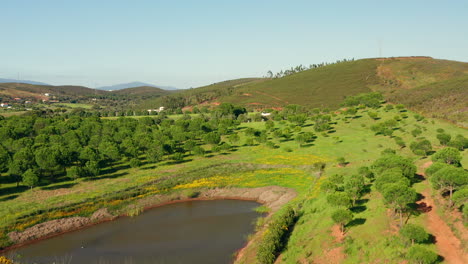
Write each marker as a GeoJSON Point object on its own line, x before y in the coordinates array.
{"type": "Point", "coordinates": [160, 109]}
{"type": "Point", "coordinates": [3, 104]}
{"type": "Point", "coordinates": [265, 114]}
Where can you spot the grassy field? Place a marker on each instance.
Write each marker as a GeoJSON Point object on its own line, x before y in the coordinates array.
{"type": "Point", "coordinates": [77, 105]}
{"type": "Point", "coordinates": [370, 239]}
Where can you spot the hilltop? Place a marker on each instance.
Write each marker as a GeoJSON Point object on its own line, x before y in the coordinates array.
{"type": "Point", "coordinates": [3, 80]}
{"type": "Point", "coordinates": [133, 85]}
{"type": "Point", "coordinates": [327, 86]}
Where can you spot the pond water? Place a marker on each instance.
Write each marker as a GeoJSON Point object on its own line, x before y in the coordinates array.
{"type": "Point", "coordinates": [186, 232]}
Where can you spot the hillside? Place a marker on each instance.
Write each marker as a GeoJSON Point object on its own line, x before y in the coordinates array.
{"type": "Point", "coordinates": [31, 91]}
{"type": "Point", "coordinates": [202, 95]}
{"type": "Point", "coordinates": [133, 85]}
{"type": "Point", "coordinates": [3, 80]}
{"type": "Point", "coordinates": [327, 86]}
{"type": "Point", "coordinates": [142, 90]}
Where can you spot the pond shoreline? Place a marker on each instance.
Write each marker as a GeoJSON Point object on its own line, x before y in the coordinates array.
{"type": "Point", "coordinates": [272, 196]}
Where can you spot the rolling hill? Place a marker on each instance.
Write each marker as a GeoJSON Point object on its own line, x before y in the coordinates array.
{"type": "Point", "coordinates": [327, 86]}
{"type": "Point", "coordinates": [2, 80]}
{"type": "Point", "coordinates": [133, 85]}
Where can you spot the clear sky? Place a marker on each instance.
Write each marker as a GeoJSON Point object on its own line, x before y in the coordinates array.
{"type": "Point", "coordinates": [193, 43]}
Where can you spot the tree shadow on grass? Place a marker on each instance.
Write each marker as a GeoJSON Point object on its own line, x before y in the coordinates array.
{"type": "Point", "coordinates": [356, 222]}
{"type": "Point", "coordinates": [114, 169]}
{"type": "Point", "coordinates": [110, 176]}
{"type": "Point", "coordinates": [173, 162]}
{"type": "Point", "coordinates": [7, 198]}
{"type": "Point", "coordinates": [12, 190]}
{"type": "Point", "coordinates": [358, 209]}
{"type": "Point", "coordinates": [149, 167]}
{"type": "Point", "coordinates": [59, 186]}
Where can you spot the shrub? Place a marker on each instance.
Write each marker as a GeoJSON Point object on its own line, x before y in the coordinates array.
{"type": "Point", "coordinates": [448, 155]}
{"type": "Point", "coordinates": [421, 147]}
{"type": "Point", "coordinates": [416, 132]}
{"type": "Point", "coordinates": [414, 233]}
{"type": "Point", "coordinates": [273, 240]}
{"type": "Point", "coordinates": [444, 138]}
{"type": "Point", "coordinates": [421, 255]}
{"type": "Point", "coordinates": [135, 163]}
{"type": "Point", "coordinates": [342, 217]}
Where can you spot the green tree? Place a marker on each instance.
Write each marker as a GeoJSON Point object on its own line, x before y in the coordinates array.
{"type": "Point", "coordinates": [354, 186]}
{"type": "Point", "coordinates": [459, 142]}
{"type": "Point", "coordinates": [390, 161]}
{"type": "Point", "coordinates": [199, 151]}
{"type": "Point", "coordinates": [447, 155]}
{"type": "Point", "coordinates": [154, 153]}
{"type": "Point", "coordinates": [135, 162]}
{"type": "Point", "coordinates": [4, 159]}
{"type": "Point", "coordinates": [30, 178]}
{"type": "Point", "coordinates": [212, 138]}
{"type": "Point", "coordinates": [342, 217]}
{"type": "Point", "coordinates": [373, 115]}
{"type": "Point", "coordinates": [328, 186]}
{"type": "Point", "coordinates": [421, 255]}
{"type": "Point", "coordinates": [75, 172]}
{"type": "Point", "coordinates": [366, 172]}
{"type": "Point", "coordinates": [444, 138]}
{"type": "Point", "coordinates": [339, 199]}
{"type": "Point", "coordinates": [234, 138]}
{"type": "Point", "coordinates": [460, 197]}
{"type": "Point", "coordinates": [414, 233]}
{"type": "Point", "coordinates": [449, 179]}
{"type": "Point", "coordinates": [93, 168]}
{"type": "Point", "coordinates": [398, 197]}
{"type": "Point", "coordinates": [421, 147]}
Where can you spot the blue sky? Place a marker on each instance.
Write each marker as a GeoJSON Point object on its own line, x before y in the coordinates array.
{"type": "Point", "coordinates": [193, 43]}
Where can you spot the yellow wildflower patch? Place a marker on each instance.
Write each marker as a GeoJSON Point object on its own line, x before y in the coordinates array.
{"type": "Point", "coordinates": [289, 177]}
{"type": "Point", "coordinates": [292, 159]}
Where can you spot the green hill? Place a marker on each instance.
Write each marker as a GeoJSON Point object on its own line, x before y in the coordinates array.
{"type": "Point", "coordinates": [142, 90]}
{"type": "Point", "coordinates": [327, 86]}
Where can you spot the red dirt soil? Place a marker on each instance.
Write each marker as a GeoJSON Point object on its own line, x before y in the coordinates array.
{"type": "Point", "coordinates": [334, 255]}
{"type": "Point", "coordinates": [448, 245]}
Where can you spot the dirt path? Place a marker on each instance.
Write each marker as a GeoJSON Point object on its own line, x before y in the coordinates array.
{"type": "Point", "coordinates": [448, 245]}
{"type": "Point", "coordinates": [333, 255]}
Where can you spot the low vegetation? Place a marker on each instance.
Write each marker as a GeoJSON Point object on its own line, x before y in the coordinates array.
{"type": "Point", "coordinates": [352, 171]}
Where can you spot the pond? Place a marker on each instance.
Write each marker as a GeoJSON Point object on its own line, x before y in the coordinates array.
{"type": "Point", "coordinates": [186, 232]}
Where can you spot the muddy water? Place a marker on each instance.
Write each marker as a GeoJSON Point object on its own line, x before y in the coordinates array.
{"type": "Point", "coordinates": [187, 232]}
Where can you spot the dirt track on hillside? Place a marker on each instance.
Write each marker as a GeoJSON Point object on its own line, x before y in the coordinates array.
{"type": "Point", "coordinates": [448, 245]}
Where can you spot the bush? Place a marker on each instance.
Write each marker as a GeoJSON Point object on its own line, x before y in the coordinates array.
{"type": "Point", "coordinates": [448, 155]}
{"type": "Point", "coordinates": [421, 255]}
{"type": "Point", "coordinates": [342, 217]}
{"type": "Point", "coordinates": [341, 161]}
{"type": "Point", "coordinates": [414, 233]}
{"type": "Point", "coordinates": [444, 138]}
{"type": "Point", "coordinates": [287, 149]}
{"type": "Point", "coordinates": [416, 132]}
{"type": "Point", "coordinates": [273, 240]}
{"type": "Point", "coordinates": [135, 163]}
{"type": "Point", "coordinates": [421, 147]}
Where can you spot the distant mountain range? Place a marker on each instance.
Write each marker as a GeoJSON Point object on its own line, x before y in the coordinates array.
{"type": "Point", "coordinates": [21, 81]}
{"type": "Point", "coordinates": [105, 88]}
{"type": "Point", "coordinates": [132, 85]}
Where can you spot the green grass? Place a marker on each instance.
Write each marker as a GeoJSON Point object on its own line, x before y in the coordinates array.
{"type": "Point", "coordinates": [255, 166]}
{"type": "Point", "coordinates": [77, 105]}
